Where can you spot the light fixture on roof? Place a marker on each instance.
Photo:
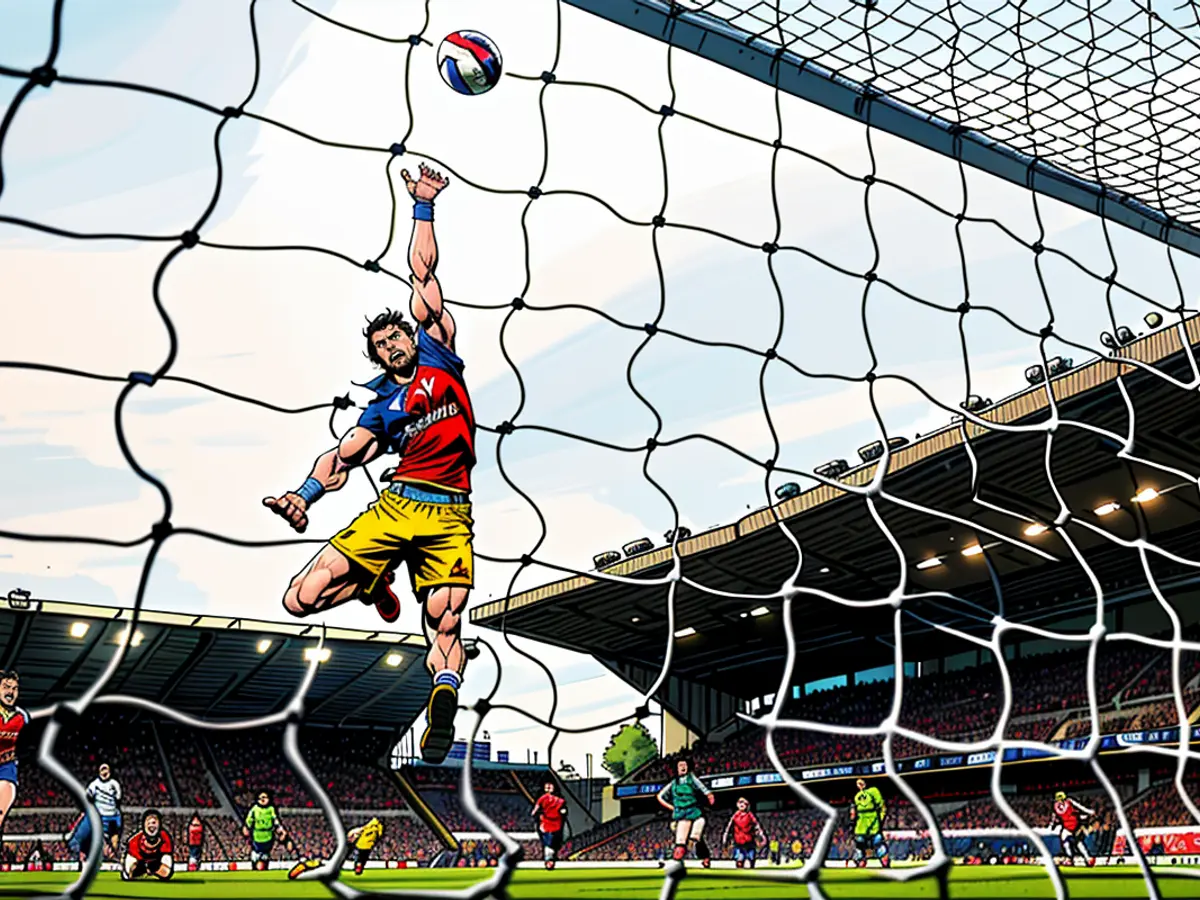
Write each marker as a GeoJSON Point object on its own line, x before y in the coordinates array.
{"type": "Point", "coordinates": [1035, 529]}
{"type": "Point", "coordinates": [833, 468]}
{"type": "Point", "coordinates": [636, 619]}
{"type": "Point", "coordinates": [874, 450]}
{"type": "Point", "coordinates": [759, 611]}
{"type": "Point", "coordinates": [930, 563]}
{"type": "Point", "coordinates": [79, 629]}
{"type": "Point", "coordinates": [607, 558]}
{"type": "Point", "coordinates": [1057, 365]}
{"type": "Point", "coordinates": [685, 632]}
{"type": "Point", "coordinates": [18, 598]}
{"type": "Point", "coordinates": [138, 637]}
{"type": "Point", "coordinates": [974, 403]}
{"type": "Point", "coordinates": [743, 615]}
{"type": "Point", "coordinates": [972, 550]}
{"type": "Point", "coordinates": [1145, 495]}
{"type": "Point", "coordinates": [1035, 375]}
{"type": "Point", "coordinates": [320, 654]}
{"type": "Point", "coordinates": [1105, 509]}
{"type": "Point", "coordinates": [824, 570]}
{"type": "Point", "coordinates": [263, 646]}
{"type": "Point", "coordinates": [394, 659]}
{"type": "Point", "coordinates": [787, 491]}
{"type": "Point", "coordinates": [1125, 335]}
{"type": "Point", "coordinates": [633, 548]}
{"type": "Point", "coordinates": [682, 533]}
{"type": "Point", "coordinates": [1153, 319]}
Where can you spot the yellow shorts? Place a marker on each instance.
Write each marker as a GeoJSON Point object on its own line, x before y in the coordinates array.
{"type": "Point", "coordinates": [432, 539]}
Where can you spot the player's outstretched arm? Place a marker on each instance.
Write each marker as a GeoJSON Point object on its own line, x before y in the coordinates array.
{"type": "Point", "coordinates": [426, 306]}
{"type": "Point", "coordinates": [329, 473]}
{"type": "Point", "coordinates": [661, 797]}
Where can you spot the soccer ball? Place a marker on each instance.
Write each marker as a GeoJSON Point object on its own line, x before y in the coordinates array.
{"type": "Point", "coordinates": [469, 62]}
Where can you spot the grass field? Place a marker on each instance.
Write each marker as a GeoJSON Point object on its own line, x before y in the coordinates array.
{"type": "Point", "coordinates": [617, 884]}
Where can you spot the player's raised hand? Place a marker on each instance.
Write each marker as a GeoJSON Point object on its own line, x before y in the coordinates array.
{"type": "Point", "coordinates": [291, 507]}
{"type": "Point", "coordinates": [427, 186]}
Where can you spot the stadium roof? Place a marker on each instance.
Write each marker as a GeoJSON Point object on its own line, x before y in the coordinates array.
{"type": "Point", "coordinates": [737, 651]}
{"type": "Point", "coordinates": [212, 667]}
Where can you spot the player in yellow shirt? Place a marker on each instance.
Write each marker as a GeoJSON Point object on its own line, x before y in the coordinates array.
{"type": "Point", "coordinates": [364, 838]}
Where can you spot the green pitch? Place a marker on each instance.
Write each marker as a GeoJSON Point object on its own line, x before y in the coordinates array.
{"type": "Point", "coordinates": [624, 884]}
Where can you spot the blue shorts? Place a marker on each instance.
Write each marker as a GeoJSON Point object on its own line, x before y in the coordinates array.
{"type": "Point", "coordinates": [552, 839]}
{"type": "Point", "coordinates": [744, 852]}
{"type": "Point", "coordinates": [81, 837]}
{"type": "Point", "coordinates": [8, 771]}
{"type": "Point", "coordinates": [263, 849]}
{"type": "Point", "coordinates": [110, 826]}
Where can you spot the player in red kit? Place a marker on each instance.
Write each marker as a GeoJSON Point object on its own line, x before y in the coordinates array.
{"type": "Point", "coordinates": [195, 838]}
{"type": "Point", "coordinates": [422, 518]}
{"type": "Point", "coordinates": [12, 720]}
{"type": "Point", "coordinates": [550, 810]}
{"type": "Point", "coordinates": [1069, 815]}
{"type": "Point", "coordinates": [746, 834]}
{"type": "Point", "coordinates": [149, 851]}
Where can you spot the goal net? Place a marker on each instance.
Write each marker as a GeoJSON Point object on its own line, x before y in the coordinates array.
{"type": "Point", "coordinates": [882, 313]}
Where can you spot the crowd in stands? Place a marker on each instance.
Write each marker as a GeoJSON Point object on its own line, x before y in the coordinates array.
{"type": "Point", "coordinates": [963, 706]}
{"type": "Point", "coordinates": [510, 810]}
{"type": "Point", "coordinates": [349, 768]}
{"type": "Point", "coordinates": [250, 761]}
{"type": "Point", "coordinates": [188, 768]}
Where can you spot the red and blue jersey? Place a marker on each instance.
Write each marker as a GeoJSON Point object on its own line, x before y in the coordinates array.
{"type": "Point", "coordinates": [428, 421]}
{"type": "Point", "coordinates": [11, 723]}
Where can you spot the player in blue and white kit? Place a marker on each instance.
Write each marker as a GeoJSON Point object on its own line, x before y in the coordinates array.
{"type": "Point", "coordinates": [105, 794]}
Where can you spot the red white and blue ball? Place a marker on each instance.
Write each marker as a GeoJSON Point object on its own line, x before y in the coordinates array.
{"type": "Point", "coordinates": [469, 62]}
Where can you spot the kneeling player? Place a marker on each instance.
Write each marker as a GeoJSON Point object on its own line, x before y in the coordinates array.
{"type": "Point", "coordinates": [149, 851]}
{"type": "Point", "coordinates": [746, 834]}
{"type": "Point", "coordinates": [682, 797]}
{"type": "Point", "coordinates": [1069, 815]}
{"type": "Point", "coordinates": [868, 813]}
{"type": "Point", "coordinates": [550, 810]}
{"type": "Point", "coordinates": [364, 838]}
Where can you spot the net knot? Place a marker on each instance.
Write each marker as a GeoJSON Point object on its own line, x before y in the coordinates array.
{"type": "Point", "coordinates": [770, 353]}
{"type": "Point", "coordinates": [868, 180]}
{"type": "Point", "coordinates": [769, 247]}
{"type": "Point", "coordinates": [651, 328]}
{"type": "Point", "coordinates": [518, 303]}
{"type": "Point", "coordinates": [483, 706]}
{"type": "Point", "coordinates": [964, 307]}
{"type": "Point", "coordinates": [1046, 331]}
{"type": "Point", "coordinates": [1038, 247]}
{"type": "Point", "coordinates": [651, 444]}
{"type": "Point", "coordinates": [397, 148]}
{"type": "Point", "coordinates": [870, 377]}
{"type": "Point", "coordinates": [642, 712]}
{"type": "Point", "coordinates": [769, 464]}
{"type": "Point", "coordinates": [871, 276]}
{"type": "Point", "coordinates": [505, 428]}
{"type": "Point", "coordinates": [160, 531]}
{"type": "Point", "coordinates": [534, 192]}
{"type": "Point", "coordinates": [231, 112]}
{"type": "Point", "coordinates": [189, 239]}
{"type": "Point", "coordinates": [142, 378]}
{"type": "Point", "coordinates": [371, 265]}
{"type": "Point", "coordinates": [43, 75]}
{"type": "Point", "coordinates": [414, 39]}
{"type": "Point", "coordinates": [526, 559]}
{"type": "Point", "coordinates": [658, 221]}
{"type": "Point", "coordinates": [1110, 278]}
{"type": "Point", "coordinates": [777, 144]}
{"type": "Point", "coordinates": [549, 77]}
{"type": "Point", "coordinates": [666, 110]}
{"type": "Point", "coordinates": [343, 402]}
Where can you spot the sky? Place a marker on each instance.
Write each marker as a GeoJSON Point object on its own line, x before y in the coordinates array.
{"type": "Point", "coordinates": [285, 327]}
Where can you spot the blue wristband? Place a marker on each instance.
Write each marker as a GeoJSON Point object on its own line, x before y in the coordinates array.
{"type": "Point", "coordinates": [423, 210]}
{"type": "Point", "coordinates": [310, 491]}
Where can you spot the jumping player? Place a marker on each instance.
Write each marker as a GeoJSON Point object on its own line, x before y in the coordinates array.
{"type": "Point", "coordinates": [1069, 815]}
{"type": "Point", "coordinates": [12, 719]}
{"type": "Point", "coordinates": [747, 832]}
{"type": "Point", "coordinates": [681, 796]}
{"type": "Point", "coordinates": [868, 813]}
{"type": "Point", "coordinates": [423, 518]}
{"type": "Point", "coordinates": [105, 794]}
{"type": "Point", "coordinates": [149, 851]}
{"type": "Point", "coordinates": [550, 810]}
{"type": "Point", "coordinates": [364, 838]}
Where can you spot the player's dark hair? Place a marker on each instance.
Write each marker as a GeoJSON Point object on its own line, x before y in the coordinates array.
{"type": "Point", "coordinates": [385, 319]}
{"type": "Point", "coordinates": [270, 796]}
{"type": "Point", "coordinates": [10, 675]}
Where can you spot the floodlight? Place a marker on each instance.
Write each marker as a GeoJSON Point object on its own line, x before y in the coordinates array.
{"type": "Point", "coordinates": [973, 550]}
{"type": "Point", "coordinates": [787, 491]}
{"type": "Point", "coordinates": [607, 558]}
{"type": "Point", "coordinates": [870, 452]}
{"type": "Point", "coordinates": [79, 629]}
{"type": "Point", "coordinates": [1125, 335]}
{"type": "Point", "coordinates": [1035, 529]}
{"type": "Point", "coordinates": [929, 563]}
{"type": "Point", "coordinates": [320, 654]}
{"type": "Point", "coordinates": [832, 469]}
{"type": "Point", "coordinates": [682, 532]}
{"type": "Point", "coordinates": [264, 645]}
{"type": "Point", "coordinates": [394, 659]}
{"type": "Point", "coordinates": [1145, 495]}
{"type": "Point", "coordinates": [1058, 365]}
{"type": "Point", "coordinates": [1108, 508]}
{"type": "Point", "coordinates": [759, 611]}
{"type": "Point", "coordinates": [685, 632]}
{"type": "Point", "coordinates": [1153, 319]}
{"type": "Point", "coordinates": [1035, 375]}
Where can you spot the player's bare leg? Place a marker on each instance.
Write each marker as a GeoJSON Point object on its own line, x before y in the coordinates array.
{"type": "Point", "coordinates": [446, 661]}
{"type": "Point", "coordinates": [8, 796]}
{"type": "Point", "coordinates": [330, 579]}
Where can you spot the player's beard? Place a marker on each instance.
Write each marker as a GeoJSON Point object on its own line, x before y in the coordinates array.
{"type": "Point", "coordinates": [405, 371]}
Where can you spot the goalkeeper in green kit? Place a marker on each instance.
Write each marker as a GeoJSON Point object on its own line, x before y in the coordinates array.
{"type": "Point", "coordinates": [682, 796]}
{"type": "Point", "coordinates": [867, 813]}
{"type": "Point", "coordinates": [262, 826]}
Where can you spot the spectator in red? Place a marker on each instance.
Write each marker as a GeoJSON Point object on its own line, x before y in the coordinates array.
{"type": "Point", "coordinates": [195, 835]}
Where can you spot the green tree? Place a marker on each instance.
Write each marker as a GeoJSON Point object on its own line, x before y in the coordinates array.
{"type": "Point", "coordinates": [632, 746]}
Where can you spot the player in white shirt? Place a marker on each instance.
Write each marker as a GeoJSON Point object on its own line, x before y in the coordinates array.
{"type": "Point", "coordinates": [105, 794]}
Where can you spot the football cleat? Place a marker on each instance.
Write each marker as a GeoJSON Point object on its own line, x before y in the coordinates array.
{"type": "Point", "coordinates": [384, 599]}
{"type": "Point", "coordinates": [439, 732]}
{"type": "Point", "coordinates": [305, 865]}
